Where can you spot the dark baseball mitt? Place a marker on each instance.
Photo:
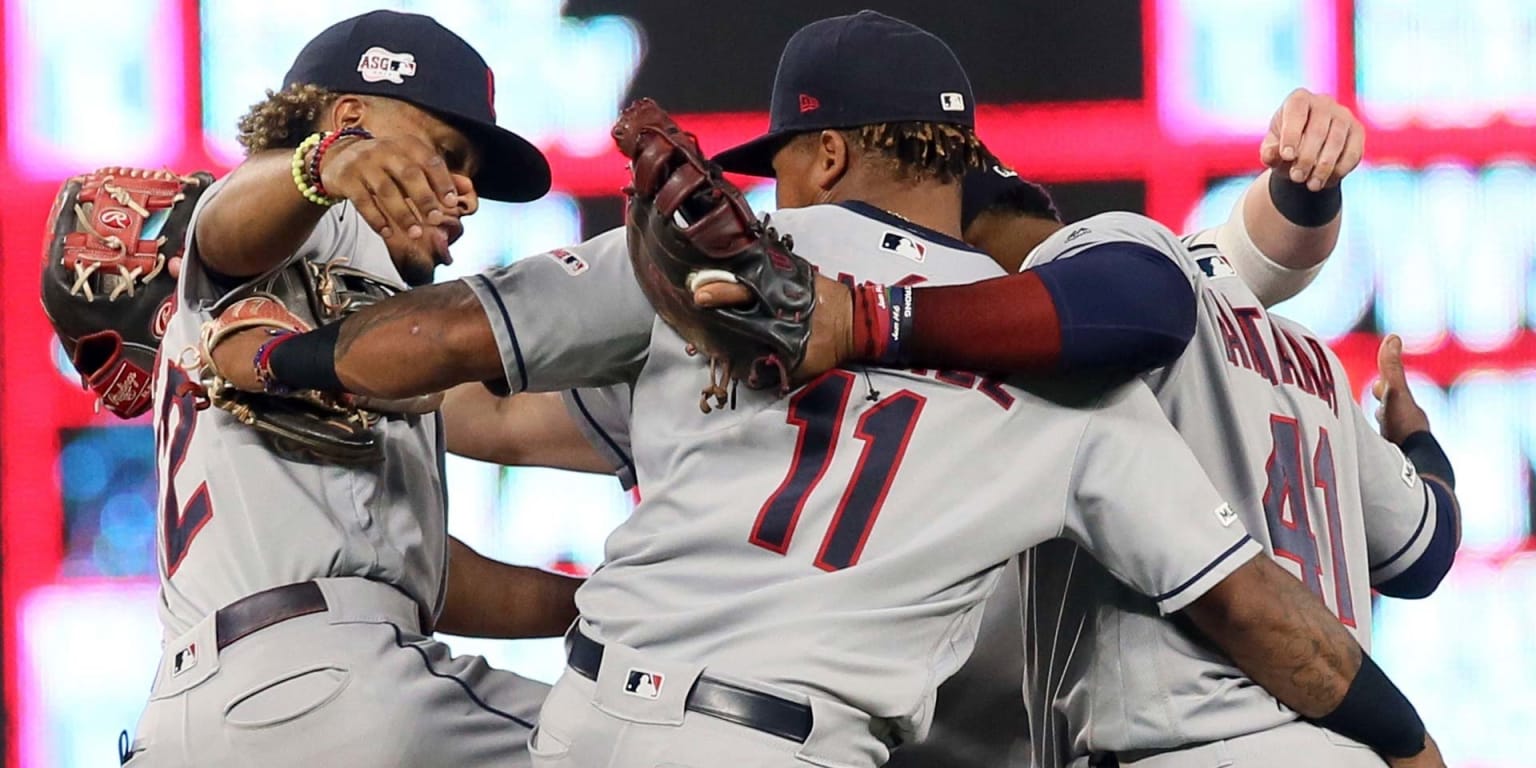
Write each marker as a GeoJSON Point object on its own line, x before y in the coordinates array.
{"type": "Point", "coordinates": [106, 289]}
{"type": "Point", "coordinates": [687, 227]}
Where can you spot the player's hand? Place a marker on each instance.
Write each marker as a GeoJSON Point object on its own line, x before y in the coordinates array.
{"type": "Point", "coordinates": [1429, 758]}
{"type": "Point", "coordinates": [1399, 415]}
{"type": "Point", "coordinates": [400, 185]}
{"type": "Point", "coordinates": [1313, 139]}
{"type": "Point", "coordinates": [831, 339]}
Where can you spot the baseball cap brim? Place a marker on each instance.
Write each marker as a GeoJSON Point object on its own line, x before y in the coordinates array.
{"type": "Point", "coordinates": [512, 169]}
{"type": "Point", "coordinates": [755, 158]}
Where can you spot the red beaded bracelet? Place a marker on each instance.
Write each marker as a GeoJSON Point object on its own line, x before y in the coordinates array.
{"type": "Point", "coordinates": [325, 144]}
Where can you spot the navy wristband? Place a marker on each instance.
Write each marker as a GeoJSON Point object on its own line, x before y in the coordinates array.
{"type": "Point", "coordinates": [1375, 713]}
{"type": "Point", "coordinates": [899, 301]}
{"type": "Point", "coordinates": [308, 360]}
{"type": "Point", "coordinates": [1302, 206]}
{"type": "Point", "coordinates": [1428, 457]}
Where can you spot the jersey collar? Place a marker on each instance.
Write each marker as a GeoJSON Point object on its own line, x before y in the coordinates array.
{"type": "Point", "coordinates": [880, 214]}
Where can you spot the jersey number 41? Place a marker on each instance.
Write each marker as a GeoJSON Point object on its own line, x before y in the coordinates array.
{"type": "Point", "coordinates": [1290, 523]}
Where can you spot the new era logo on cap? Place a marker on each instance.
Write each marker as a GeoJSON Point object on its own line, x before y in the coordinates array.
{"type": "Point", "coordinates": [952, 101]}
{"type": "Point", "coordinates": [379, 64]}
{"type": "Point", "coordinates": [809, 103]}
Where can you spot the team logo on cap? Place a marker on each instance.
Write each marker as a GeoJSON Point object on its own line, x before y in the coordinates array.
{"type": "Point", "coordinates": [383, 64]}
{"type": "Point", "coordinates": [951, 101]}
{"type": "Point", "coordinates": [906, 246]}
{"type": "Point", "coordinates": [646, 685]}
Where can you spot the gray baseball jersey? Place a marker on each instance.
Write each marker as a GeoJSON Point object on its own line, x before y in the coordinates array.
{"type": "Point", "coordinates": [602, 415]}
{"type": "Point", "coordinates": [360, 682]}
{"type": "Point", "coordinates": [235, 518]}
{"type": "Point", "coordinates": [839, 542]}
{"type": "Point", "coordinates": [1268, 411]}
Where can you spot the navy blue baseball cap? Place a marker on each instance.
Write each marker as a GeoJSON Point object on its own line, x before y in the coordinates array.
{"type": "Point", "coordinates": [411, 57]}
{"type": "Point", "coordinates": [849, 71]}
{"type": "Point", "coordinates": [998, 185]}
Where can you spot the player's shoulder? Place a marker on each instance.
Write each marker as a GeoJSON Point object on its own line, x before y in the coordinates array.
{"type": "Point", "coordinates": [605, 253]}
{"type": "Point", "coordinates": [1121, 225]}
{"type": "Point", "coordinates": [1114, 226]}
{"type": "Point", "coordinates": [875, 244]}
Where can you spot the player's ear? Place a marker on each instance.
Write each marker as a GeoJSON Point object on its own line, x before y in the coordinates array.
{"type": "Point", "coordinates": [348, 111]}
{"type": "Point", "coordinates": [831, 159]}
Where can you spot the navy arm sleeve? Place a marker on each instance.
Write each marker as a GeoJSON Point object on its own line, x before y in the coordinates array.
{"type": "Point", "coordinates": [1122, 306]}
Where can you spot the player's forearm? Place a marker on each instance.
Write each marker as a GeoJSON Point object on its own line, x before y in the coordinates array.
{"type": "Point", "coordinates": [1117, 307]}
{"type": "Point", "coordinates": [1287, 641]}
{"type": "Point", "coordinates": [486, 598]}
{"type": "Point", "coordinates": [422, 341]}
{"type": "Point", "coordinates": [525, 429]}
{"type": "Point", "coordinates": [1288, 232]}
{"type": "Point", "coordinates": [1280, 635]}
{"type": "Point", "coordinates": [256, 219]}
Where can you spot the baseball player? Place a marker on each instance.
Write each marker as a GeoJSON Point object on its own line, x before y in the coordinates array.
{"type": "Point", "coordinates": [709, 636]}
{"type": "Point", "coordinates": [979, 713]}
{"type": "Point", "coordinates": [1268, 410]}
{"type": "Point", "coordinates": [299, 597]}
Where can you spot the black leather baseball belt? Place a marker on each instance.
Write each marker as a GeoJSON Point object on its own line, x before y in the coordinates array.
{"type": "Point", "coordinates": [258, 611]}
{"type": "Point", "coordinates": [715, 698]}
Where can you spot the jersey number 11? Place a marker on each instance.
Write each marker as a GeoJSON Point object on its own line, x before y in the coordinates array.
{"type": "Point", "coordinates": [817, 410]}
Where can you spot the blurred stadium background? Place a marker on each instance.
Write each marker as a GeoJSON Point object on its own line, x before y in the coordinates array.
{"type": "Point", "coordinates": [1154, 106]}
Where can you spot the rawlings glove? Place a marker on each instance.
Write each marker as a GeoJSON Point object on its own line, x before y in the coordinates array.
{"type": "Point", "coordinates": [105, 287]}
{"type": "Point", "coordinates": [304, 425]}
{"type": "Point", "coordinates": [687, 227]}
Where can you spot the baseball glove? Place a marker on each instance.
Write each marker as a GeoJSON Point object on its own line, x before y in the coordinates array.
{"type": "Point", "coordinates": [687, 227]}
{"type": "Point", "coordinates": [105, 287]}
{"type": "Point", "coordinates": [306, 425]}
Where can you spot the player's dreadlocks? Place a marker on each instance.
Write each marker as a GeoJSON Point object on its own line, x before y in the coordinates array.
{"type": "Point", "coordinates": [919, 151]}
{"type": "Point", "coordinates": [284, 119]}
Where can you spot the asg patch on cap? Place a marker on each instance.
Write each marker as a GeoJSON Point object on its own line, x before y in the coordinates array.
{"type": "Point", "coordinates": [378, 64]}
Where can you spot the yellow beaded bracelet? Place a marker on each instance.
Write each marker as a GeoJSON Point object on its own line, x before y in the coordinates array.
{"type": "Point", "coordinates": [307, 188]}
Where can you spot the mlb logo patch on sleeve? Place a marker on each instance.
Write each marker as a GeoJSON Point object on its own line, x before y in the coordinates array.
{"type": "Point", "coordinates": [1225, 514]}
{"type": "Point", "coordinates": [646, 685]}
{"type": "Point", "coordinates": [574, 265]}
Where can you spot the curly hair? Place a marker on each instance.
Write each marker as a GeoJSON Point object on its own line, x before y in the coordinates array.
{"type": "Point", "coordinates": [284, 118]}
{"type": "Point", "coordinates": [920, 151]}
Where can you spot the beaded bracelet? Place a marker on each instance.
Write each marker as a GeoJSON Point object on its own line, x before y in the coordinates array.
{"type": "Point", "coordinates": [325, 146]}
{"type": "Point", "coordinates": [262, 362]}
{"type": "Point", "coordinates": [307, 188]}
